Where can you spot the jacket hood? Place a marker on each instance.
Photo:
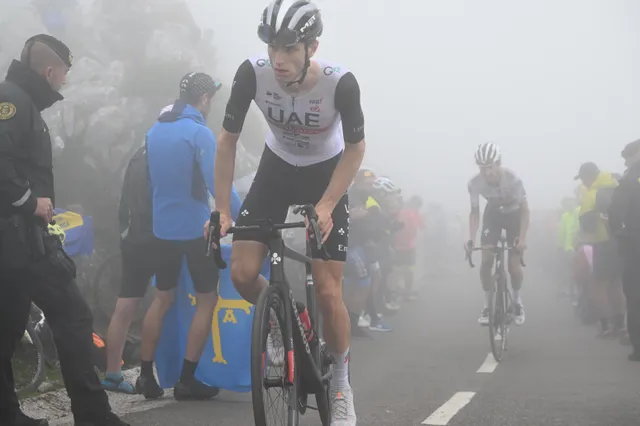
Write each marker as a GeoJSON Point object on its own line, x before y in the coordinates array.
{"type": "Point", "coordinates": [182, 110]}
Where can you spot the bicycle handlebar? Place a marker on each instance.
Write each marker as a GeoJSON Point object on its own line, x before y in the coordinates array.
{"type": "Point", "coordinates": [266, 226]}
{"type": "Point", "coordinates": [469, 252]}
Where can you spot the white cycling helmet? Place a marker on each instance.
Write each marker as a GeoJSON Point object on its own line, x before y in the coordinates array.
{"type": "Point", "coordinates": [487, 154]}
{"type": "Point", "coordinates": [385, 185]}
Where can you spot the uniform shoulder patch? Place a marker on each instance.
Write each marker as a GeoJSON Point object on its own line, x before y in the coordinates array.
{"type": "Point", "coordinates": [7, 110]}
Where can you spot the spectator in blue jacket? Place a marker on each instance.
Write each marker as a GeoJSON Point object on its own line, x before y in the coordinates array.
{"type": "Point", "coordinates": [181, 154]}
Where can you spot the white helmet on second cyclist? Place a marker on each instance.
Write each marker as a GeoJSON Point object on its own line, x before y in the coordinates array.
{"type": "Point", "coordinates": [488, 154]}
{"type": "Point", "coordinates": [386, 186]}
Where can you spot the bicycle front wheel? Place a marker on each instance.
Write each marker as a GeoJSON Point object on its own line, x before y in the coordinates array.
{"type": "Point", "coordinates": [28, 363]}
{"type": "Point", "coordinates": [498, 318]}
{"type": "Point", "coordinates": [274, 374]}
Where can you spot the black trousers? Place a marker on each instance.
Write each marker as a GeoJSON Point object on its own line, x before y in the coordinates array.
{"type": "Point", "coordinates": [631, 283]}
{"type": "Point", "coordinates": [72, 325]}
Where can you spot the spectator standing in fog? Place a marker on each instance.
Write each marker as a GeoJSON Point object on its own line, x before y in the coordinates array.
{"type": "Point", "coordinates": [405, 244]}
{"type": "Point", "coordinates": [138, 248]}
{"type": "Point", "coordinates": [624, 221]}
{"type": "Point", "coordinates": [181, 154]}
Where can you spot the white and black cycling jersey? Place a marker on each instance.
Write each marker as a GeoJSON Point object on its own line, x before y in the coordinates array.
{"type": "Point", "coordinates": [304, 130]}
{"type": "Point", "coordinates": [506, 196]}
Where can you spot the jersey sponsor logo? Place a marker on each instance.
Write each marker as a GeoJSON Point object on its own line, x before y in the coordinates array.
{"type": "Point", "coordinates": [316, 101]}
{"type": "Point", "coordinates": [7, 110]}
{"type": "Point", "coordinates": [263, 63]}
{"type": "Point", "coordinates": [275, 95]}
{"type": "Point", "coordinates": [309, 119]}
{"type": "Point", "coordinates": [315, 108]}
{"type": "Point", "coordinates": [272, 103]}
{"type": "Point", "coordinates": [330, 70]}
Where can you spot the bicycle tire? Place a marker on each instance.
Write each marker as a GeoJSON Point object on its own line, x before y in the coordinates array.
{"type": "Point", "coordinates": [39, 371]}
{"type": "Point", "coordinates": [323, 400]}
{"type": "Point", "coordinates": [259, 333]}
{"type": "Point", "coordinates": [497, 315]}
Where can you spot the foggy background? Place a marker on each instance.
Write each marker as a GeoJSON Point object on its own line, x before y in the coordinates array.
{"type": "Point", "coordinates": [553, 82]}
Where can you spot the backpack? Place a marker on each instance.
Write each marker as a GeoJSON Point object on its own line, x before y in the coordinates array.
{"type": "Point", "coordinates": [136, 204]}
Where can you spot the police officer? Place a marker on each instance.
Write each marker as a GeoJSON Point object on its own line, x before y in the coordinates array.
{"type": "Point", "coordinates": [33, 265]}
{"type": "Point", "coordinates": [624, 220]}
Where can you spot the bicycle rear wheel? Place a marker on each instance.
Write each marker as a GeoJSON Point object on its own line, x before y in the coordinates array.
{"type": "Point", "coordinates": [498, 318]}
{"type": "Point", "coordinates": [28, 363]}
{"type": "Point", "coordinates": [274, 375]}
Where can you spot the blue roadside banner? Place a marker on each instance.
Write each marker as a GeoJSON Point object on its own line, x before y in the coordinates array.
{"type": "Point", "coordinates": [225, 362]}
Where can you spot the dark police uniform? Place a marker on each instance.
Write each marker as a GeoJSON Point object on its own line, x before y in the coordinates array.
{"type": "Point", "coordinates": [624, 221]}
{"type": "Point", "coordinates": [33, 266]}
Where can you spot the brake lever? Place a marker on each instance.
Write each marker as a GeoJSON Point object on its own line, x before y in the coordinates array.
{"type": "Point", "coordinates": [309, 212]}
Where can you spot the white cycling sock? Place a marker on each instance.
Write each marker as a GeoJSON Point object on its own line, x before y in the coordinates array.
{"type": "Point", "coordinates": [340, 379]}
{"type": "Point", "coordinates": [516, 296]}
{"type": "Point", "coordinates": [487, 298]}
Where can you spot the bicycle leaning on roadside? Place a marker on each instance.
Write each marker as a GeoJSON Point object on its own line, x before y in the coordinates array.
{"type": "Point", "coordinates": [307, 365]}
{"type": "Point", "coordinates": [501, 311]}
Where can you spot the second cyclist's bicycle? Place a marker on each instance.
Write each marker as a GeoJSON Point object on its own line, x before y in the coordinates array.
{"type": "Point", "coordinates": [501, 310]}
{"type": "Point", "coordinates": [303, 358]}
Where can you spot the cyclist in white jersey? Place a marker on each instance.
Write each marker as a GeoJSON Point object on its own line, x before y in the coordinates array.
{"type": "Point", "coordinates": [507, 209]}
{"type": "Point", "coordinates": [313, 151]}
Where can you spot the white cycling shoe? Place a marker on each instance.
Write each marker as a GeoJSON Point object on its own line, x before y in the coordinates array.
{"type": "Point", "coordinates": [343, 412]}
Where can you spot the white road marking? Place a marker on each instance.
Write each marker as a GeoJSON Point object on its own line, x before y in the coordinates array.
{"type": "Point", "coordinates": [445, 413]}
{"type": "Point", "coordinates": [488, 366]}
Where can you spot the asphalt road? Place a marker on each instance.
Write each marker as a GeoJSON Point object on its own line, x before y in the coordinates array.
{"type": "Point", "coordinates": [556, 372]}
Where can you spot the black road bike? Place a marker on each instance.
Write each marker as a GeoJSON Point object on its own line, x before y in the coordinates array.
{"type": "Point", "coordinates": [501, 311]}
{"type": "Point", "coordinates": [307, 365]}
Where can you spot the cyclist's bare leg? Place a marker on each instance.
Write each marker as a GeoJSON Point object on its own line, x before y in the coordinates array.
{"type": "Point", "coordinates": [486, 271]}
{"type": "Point", "coordinates": [152, 324]}
{"type": "Point", "coordinates": [336, 328]}
{"type": "Point", "coordinates": [516, 274]}
{"type": "Point", "coordinates": [200, 325]}
{"type": "Point", "coordinates": [247, 259]}
{"type": "Point", "coordinates": [118, 329]}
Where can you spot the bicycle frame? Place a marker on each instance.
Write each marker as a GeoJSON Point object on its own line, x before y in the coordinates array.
{"type": "Point", "coordinates": [278, 251]}
{"type": "Point", "coordinates": [501, 312]}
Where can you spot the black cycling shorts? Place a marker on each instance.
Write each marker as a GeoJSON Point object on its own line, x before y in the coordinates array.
{"type": "Point", "coordinates": [138, 267]}
{"type": "Point", "coordinates": [203, 270]}
{"type": "Point", "coordinates": [279, 185]}
{"type": "Point", "coordinates": [494, 221]}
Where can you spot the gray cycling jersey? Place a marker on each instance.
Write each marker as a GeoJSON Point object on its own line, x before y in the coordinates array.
{"type": "Point", "coordinates": [507, 195]}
